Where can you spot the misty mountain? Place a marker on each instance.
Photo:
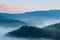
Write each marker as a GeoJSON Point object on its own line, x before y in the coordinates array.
{"type": "Point", "coordinates": [35, 14]}
{"type": "Point", "coordinates": [29, 32]}
{"type": "Point", "coordinates": [54, 30]}
{"type": "Point", "coordinates": [37, 18]}
{"type": "Point", "coordinates": [51, 31]}
{"type": "Point", "coordinates": [26, 31]}
{"type": "Point", "coordinates": [55, 26]}
{"type": "Point", "coordinates": [8, 22]}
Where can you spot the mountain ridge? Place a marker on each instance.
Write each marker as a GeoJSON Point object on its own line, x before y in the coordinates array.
{"type": "Point", "coordinates": [8, 22]}
{"type": "Point", "coordinates": [30, 31]}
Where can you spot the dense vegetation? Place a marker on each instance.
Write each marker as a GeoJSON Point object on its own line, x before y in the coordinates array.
{"type": "Point", "coordinates": [54, 31]}
{"type": "Point", "coordinates": [29, 31]}
{"type": "Point", "coordinates": [34, 32]}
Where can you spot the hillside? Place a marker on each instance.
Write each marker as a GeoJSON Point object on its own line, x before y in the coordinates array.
{"type": "Point", "coordinates": [37, 18]}
{"type": "Point", "coordinates": [8, 22]}
{"type": "Point", "coordinates": [51, 31]}
{"type": "Point", "coordinates": [29, 32]}
{"type": "Point", "coordinates": [54, 30]}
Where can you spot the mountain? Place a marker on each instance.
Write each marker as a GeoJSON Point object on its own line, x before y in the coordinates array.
{"type": "Point", "coordinates": [37, 18]}
{"type": "Point", "coordinates": [26, 31]}
{"type": "Point", "coordinates": [54, 30]}
{"type": "Point", "coordinates": [51, 31]}
{"type": "Point", "coordinates": [29, 32]}
{"type": "Point", "coordinates": [8, 22]}
{"type": "Point", "coordinates": [44, 14]}
{"type": "Point", "coordinates": [55, 26]}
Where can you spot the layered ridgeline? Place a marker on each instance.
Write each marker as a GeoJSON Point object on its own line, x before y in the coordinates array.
{"type": "Point", "coordinates": [35, 14]}
{"type": "Point", "coordinates": [26, 32]}
{"type": "Point", "coordinates": [37, 18]}
{"type": "Point", "coordinates": [8, 22]}
{"type": "Point", "coordinates": [51, 31]}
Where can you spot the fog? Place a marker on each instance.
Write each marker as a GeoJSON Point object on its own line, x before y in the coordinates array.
{"type": "Point", "coordinates": [47, 22]}
{"type": "Point", "coordinates": [40, 24]}
{"type": "Point", "coordinates": [4, 31]}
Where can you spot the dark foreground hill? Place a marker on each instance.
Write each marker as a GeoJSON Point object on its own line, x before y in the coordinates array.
{"type": "Point", "coordinates": [51, 31]}
{"type": "Point", "coordinates": [54, 30]}
{"type": "Point", "coordinates": [29, 32]}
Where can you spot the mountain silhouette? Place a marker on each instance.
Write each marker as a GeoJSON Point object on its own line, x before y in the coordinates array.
{"type": "Point", "coordinates": [29, 32]}
{"type": "Point", "coordinates": [26, 31]}
{"type": "Point", "coordinates": [54, 30]}
{"type": "Point", "coordinates": [51, 31]}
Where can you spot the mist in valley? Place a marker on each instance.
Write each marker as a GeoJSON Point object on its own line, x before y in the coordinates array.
{"type": "Point", "coordinates": [4, 31]}
{"type": "Point", "coordinates": [13, 23]}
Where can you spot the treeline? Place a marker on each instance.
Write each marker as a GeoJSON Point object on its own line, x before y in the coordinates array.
{"type": "Point", "coordinates": [28, 31]}
{"type": "Point", "coordinates": [33, 32]}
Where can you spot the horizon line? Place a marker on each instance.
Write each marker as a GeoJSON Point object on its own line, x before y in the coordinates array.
{"type": "Point", "coordinates": [30, 11]}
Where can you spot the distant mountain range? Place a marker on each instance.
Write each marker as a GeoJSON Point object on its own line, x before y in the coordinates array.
{"type": "Point", "coordinates": [51, 31]}
{"type": "Point", "coordinates": [8, 22]}
{"type": "Point", "coordinates": [36, 18]}
{"type": "Point", "coordinates": [45, 14]}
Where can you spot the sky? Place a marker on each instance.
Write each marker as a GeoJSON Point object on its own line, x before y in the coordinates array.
{"type": "Point", "coordinates": [18, 6]}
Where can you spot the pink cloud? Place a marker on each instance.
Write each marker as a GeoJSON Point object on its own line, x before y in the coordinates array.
{"type": "Point", "coordinates": [18, 9]}
{"type": "Point", "coordinates": [9, 8]}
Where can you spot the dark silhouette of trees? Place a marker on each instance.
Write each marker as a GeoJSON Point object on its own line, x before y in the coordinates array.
{"type": "Point", "coordinates": [34, 32]}
{"type": "Point", "coordinates": [27, 31]}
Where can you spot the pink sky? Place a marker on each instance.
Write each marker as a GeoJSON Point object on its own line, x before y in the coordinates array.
{"type": "Point", "coordinates": [18, 9]}
{"type": "Point", "coordinates": [18, 6]}
{"type": "Point", "coordinates": [9, 8]}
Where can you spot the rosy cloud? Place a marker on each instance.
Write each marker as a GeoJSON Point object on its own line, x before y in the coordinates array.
{"type": "Point", "coordinates": [18, 9]}
{"type": "Point", "coordinates": [8, 8]}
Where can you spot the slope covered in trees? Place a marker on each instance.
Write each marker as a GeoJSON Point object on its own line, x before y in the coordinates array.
{"type": "Point", "coordinates": [51, 31]}
{"type": "Point", "coordinates": [28, 31]}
